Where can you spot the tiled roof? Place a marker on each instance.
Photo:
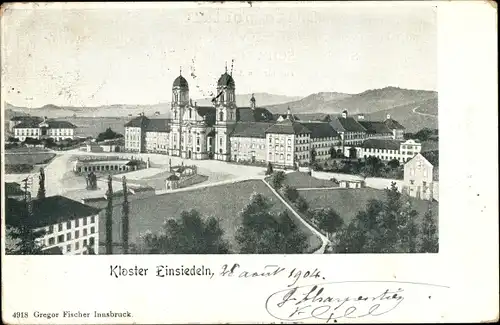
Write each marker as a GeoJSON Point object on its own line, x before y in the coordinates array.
{"type": "Point", "coordinates": [393, 124]}
{"type": "Point", "coordinates": [208, 112]}
{"type": "Point", "coordinates": [376, 127]}
{"type": "Point", "coordinates": [251, 129]}
{"type": "Point", "coordinates": [347, 124]}
{"type": "Point", "coordinates": [288, 127]}
{"type": "Point", "coordinates": [47, 211]}
{"type": "Point", "coordinates": [54, 124]}
{"type": "Point", "coordinates": [138, 122]}
{"type": "Point", "coordinates": [259, 114]}
{"type": "Point", "coordinates": [382, 144]}
{"type": "Point", "coordinates": [180, 81]}
{"type": "Point", "coordinates": [226, 80]}
{"type": "Point", "coordinates": [26, 118]}
{"type": "Point", "coordinates": [158, 125]}
{"type": "Point", "coordinates": [320, 129]}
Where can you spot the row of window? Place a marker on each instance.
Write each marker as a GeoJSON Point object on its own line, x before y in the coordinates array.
{"type": "Point", "coordinates": [281, 156]}
{"type": "Point", "coordinates": [388, 151]}
{"type": "Point", "coordinates": [62, 238]}
{"type": "Point", "coordinates": [90, 220]}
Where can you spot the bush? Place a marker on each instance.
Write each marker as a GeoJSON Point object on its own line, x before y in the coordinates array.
{"type": "Point", "coordinates": [277, 179]}
{"type": "Point", "coordinates": [301, 204]}
{"type": "Point", "coordinates": [18, 168]}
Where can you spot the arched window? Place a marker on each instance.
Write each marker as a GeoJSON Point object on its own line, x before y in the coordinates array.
{"type": "Point", "coordinates": [190, 112]}
{"type": "Point", "coordinates": [221, 116]}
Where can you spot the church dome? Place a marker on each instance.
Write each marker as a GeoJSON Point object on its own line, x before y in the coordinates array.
{"type": "Point", "coordinates": [226, 80]}
{"type": "Point", "coordinates": [180, 81]}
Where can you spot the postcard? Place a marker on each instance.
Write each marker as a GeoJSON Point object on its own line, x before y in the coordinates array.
{"type": "Point", "coordinates": [249, 162]}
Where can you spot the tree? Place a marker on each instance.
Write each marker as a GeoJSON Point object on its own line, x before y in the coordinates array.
{"type": "Point", "coordinates": [393, 163]}
{"type": "Point", "coordinates": [108, 135]}
{"type": "Point", "coordinates": [109, 217]}
{"type": "Point", "coordinates": [125, 216]}
{"type": "Point", "coordinates": [332, 152]}
{"type": "Point", "coordinates": [383, 227]}
{"type": "Point", "coordinates": [313, 155]}
{"type": "Point", "coordinates": [290, 193]}
{"type": "Point", "coordinates": [373, 166]}
{"type": "Point", "coordinates": [327, 220]}
{"type": "Point", "coordinates": [189, 234]}
{"type": "Point", "coordinates": [429, 240]}
{"type": "Point", "coordinates": [277, 179]}
{"type": "Point", "coordinates": [269, 170]}
{"type": "Point", "coordinates": [41, 187]}
{"type": "Point", "coordinates": [301, 204]}
{"type": "Point", "coordinates": [23, 234]}
{"type": "Point", "coordinates": [263, 232]}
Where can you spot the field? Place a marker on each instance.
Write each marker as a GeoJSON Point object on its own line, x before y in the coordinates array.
{"type": "Point", "coordinates": [303, 180]}
{"type": "Point", "coordinates": [30, 156]}
{"type": "Point", "coordinates": [347, 202]}
{"type": "Point", "coordinates": [224, 202]}
{"type": "Point", "coordinates": [90, 126]}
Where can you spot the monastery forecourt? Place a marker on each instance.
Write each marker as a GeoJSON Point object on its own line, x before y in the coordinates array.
{"type": "Point", "coordinates": [226, 132]}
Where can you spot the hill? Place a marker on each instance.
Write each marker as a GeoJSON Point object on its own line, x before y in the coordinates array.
{"type": "Point", "coordinates": [121, 110]}
{"type": "Point", "coordinates": [414, 116]}
{"type": "Point", "coordinates": [367, 102]}
{"type": "Point", "coordinates": [308, 104]}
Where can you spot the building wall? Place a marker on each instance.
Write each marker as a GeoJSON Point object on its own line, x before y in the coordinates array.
{"type": "Point", "coordinates": [303, 149]}
{"type": "Point", "coordinates": [72, 236]}
{"type": "Point", "coordinates": [157, 141]}
{"type": "Point", "coordinates": [418, 180]}
{"type": "Point", "coordinates": [36, 133]}
{"type": "Point", "coordinates": [248, 149]}
{"type": "Point", "coordinates": [281, 148]}
{"type": "Point", "coordinates": [322, 147]}
{"type": "Point", "coordinates": [133, 139]}
{"type": "Point", "coordinates": [407, 150]}
{"type": "Point", "coordinates": [353, 138]}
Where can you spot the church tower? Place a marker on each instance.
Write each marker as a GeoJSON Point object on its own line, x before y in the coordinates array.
{"type": "Point", "coordinates": [225, 108]}
{"type": "Point", "coordinates": [180, 100]}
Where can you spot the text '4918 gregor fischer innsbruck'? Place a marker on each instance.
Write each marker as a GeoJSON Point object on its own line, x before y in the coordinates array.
{"type": "Point", "coordinates": [159, 271]}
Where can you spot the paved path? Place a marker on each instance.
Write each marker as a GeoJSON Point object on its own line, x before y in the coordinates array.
{"type": "Point", "coordinates": [204, 184]}
{"type": "Point", "coordinates": [324, 240]}
{"type": "Point", "coordinates": [424, 114]}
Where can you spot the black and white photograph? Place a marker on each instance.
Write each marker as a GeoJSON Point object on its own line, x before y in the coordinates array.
{"type": "Point", "coordinates": [223, 132]}
{"type": "Point", "coordinates": [205, 132]}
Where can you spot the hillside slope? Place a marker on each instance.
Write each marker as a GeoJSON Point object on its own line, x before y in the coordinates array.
{"type": "Point", "coordinates": [369, 101]}
{"type": "Point", "coordinates": [414, 117]}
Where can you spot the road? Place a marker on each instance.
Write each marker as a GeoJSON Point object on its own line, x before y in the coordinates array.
{"type": "Point", "coordinates": [324, 241]}
{"type": "Point", "coordinates": [424, 114]}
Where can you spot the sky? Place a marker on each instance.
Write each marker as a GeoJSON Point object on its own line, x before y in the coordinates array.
{"type": "Point", "coordinates": [131, 54]}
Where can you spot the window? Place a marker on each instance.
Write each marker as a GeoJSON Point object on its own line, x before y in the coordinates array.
{"type": "Point", "coordinates": [91, 241]}
{"type": "Point", "coordinates": [60, 239]}
{"type": "Point", "coordinates": [412, 182]}
{"type": "Point", "coordinates": [424, 183]}
{"type": "Point", "coordinates": [68, 225]}
{"type": "Point", "coordinates": [84, 242]}
{"type": "Point", "coordinates": [270, 140]}
{"type": "Point", "coordinates": [68, 236]}
{"type": "Point", "coordinates": [52, 241]}
{"type": "Point", "coordinates": [59, 227]}
{"type": "Point", "coordinates": [77, 246]}
{"type": "Point", "coordinates": [288, 157]}
{"type": "Point", "coordinates": [77, 234]}
{"type": "Point", "coordinates": [92, 230]}
{"type": "Point", "coordinates": [85, 232]}
{"type": "Point", "coordinates": [281, 156]}
{"type": "Point", "coordinates": [84, 221]}
{"type": "Point", "coordinates": [289, 148]}
{"type": "Point", "coordinates": [51, 229]}
{"type": "Point", "coordinates": [68, 248]}
{"type": "Point", "coordinates": [221, 116]}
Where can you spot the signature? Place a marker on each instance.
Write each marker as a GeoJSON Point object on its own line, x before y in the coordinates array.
{"type": "Point", "coordinates": [334, 300]}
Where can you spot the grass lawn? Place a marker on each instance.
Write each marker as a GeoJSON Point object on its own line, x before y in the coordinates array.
{"type": "Point", "coordinates": [303, 180]}
{"type": "Point", "coordinates": [224, 202]}
{"type": "Point", "coordinates": [35, 158]}
{"type": "Point", "coordinates": [347, 202]}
